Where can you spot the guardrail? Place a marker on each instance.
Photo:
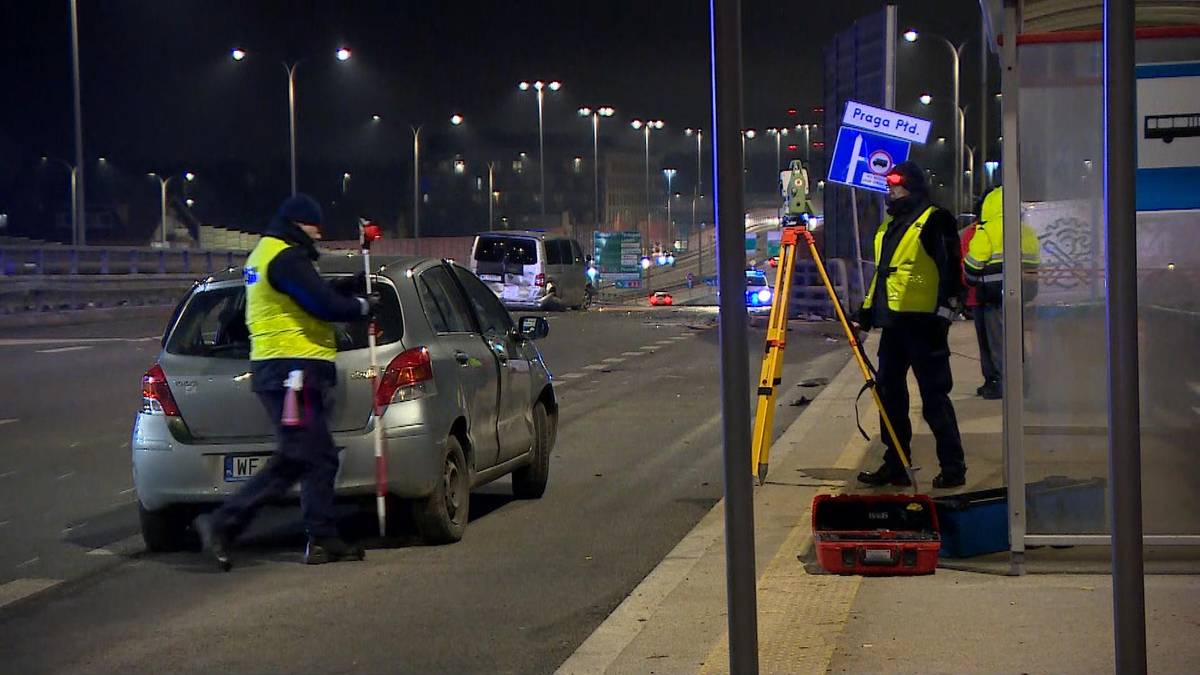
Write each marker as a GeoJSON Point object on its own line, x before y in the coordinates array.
{"type": "Point", "coordinates": [21, 260]}
{"type": "Point", "coordinates": [58, 292]}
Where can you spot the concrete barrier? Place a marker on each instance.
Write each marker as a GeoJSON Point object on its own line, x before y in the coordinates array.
{"type": "Point", "coordinates": [42, 294]}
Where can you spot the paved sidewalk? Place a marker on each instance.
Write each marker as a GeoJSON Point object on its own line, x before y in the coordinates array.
{"type": "Point", "coordinates": [954, 621]}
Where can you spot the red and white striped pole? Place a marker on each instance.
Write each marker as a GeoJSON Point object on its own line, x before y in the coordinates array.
{"type": "Point", "coordinates": [369, 232]}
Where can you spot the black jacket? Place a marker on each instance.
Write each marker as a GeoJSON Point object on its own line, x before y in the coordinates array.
{"type": "Point", "coordinates": [293, 273]}
{"type": "Point", "coordinates": [939, 238]}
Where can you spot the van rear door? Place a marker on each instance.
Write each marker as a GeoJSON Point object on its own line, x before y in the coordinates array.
{"type": "Point", "coordinates": [510, 265]}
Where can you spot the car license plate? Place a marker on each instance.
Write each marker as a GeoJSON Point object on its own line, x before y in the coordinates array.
{"type": "Point", "coordinates": [491, 277]}
{"type": "Point", "coordinates": [243, 467]}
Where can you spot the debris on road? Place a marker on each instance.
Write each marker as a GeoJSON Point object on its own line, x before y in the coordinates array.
{"type": "Point", "coordinates": [803, 400]}
{"type": "Point", "coordinates": [814, 382]}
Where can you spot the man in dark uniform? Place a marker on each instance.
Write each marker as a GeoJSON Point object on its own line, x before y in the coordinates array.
{"type": "Point", "coordinates": [289, 310]}
{"type": "Point", "coordinates": [913, 298]}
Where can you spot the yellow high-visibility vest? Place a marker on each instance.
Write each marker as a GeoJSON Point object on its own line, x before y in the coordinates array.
{"type": "Point", "coordinates": [912, 276]}
{"type": "Point", "coordinates": [280, 328]}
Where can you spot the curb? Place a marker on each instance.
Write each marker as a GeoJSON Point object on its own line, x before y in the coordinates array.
{"type": "Point", "coordinates": [81, 316]}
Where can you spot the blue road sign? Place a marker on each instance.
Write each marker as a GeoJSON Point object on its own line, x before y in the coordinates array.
{"type": "Point", "coordinates": [862, 158]}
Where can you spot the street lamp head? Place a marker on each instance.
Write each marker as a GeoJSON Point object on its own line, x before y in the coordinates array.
{"type": "Point", "coordinates": [238, 54]}
{"type": "Point", "coordinates": [910, 35]}
{"type": "Point", "coordinates": [658, 124]}
{"type": "Point", "coordinates": [346, 174]}
{"type": "Point", "coordinates": [999, 96]}
{"type": "Point", "coordinates": [102, 160]}
{"type": "Point", "coordinates": [539, 85]}
{"type": "Point", "coordinates": [607, 111]}
{"type": "Point", "coordinates": [190, 202]}
{"type": "Point", "coordinates": [941, 139]}
{"type": "Point", "coordinates": [343, 54]}
{"type": "Point", "coordinates": [636, 124]}
{"type": "Point", "coordinates": [750, 133]}
{"type": "Point", "coordinates": [925, 99]}
{"type": "Point", "coordinates": [669, 172]}
{"type": "Point", "coordinates": [189, 176]}
{"type": "Point", "coordinates": [456, 119]}
{"type": "Point", "coordinates": [691, 132]}
{"type": "Point", "coordinates": [555, 85]}
{"type": "Point", "coordinates": [584, 112]}
{"type": "Point", "coordinates": [523, 86]}
{"type": "Point", "coordinates": [375, 118]}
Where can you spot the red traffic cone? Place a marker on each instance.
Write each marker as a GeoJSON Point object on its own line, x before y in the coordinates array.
{"type": "Point", "coordinates": [291, 400]}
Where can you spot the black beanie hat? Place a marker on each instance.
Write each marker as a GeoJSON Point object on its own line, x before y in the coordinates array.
{"type": "Point", "coordinates": [913, 177]}
{"type": "Point", "coordinates": [300, 208]}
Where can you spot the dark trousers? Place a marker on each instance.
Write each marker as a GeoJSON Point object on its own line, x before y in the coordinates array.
{"type": "Point", "coordinates": [306, 455]}
{"type": "Point", "coordinates": [989, 331]}
{"type": "Point", "coordinates": [919, 343]}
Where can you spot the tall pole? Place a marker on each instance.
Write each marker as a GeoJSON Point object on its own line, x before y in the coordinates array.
{"type": "Point", "coordinates": [491, 193]}
{"type": "Point", "coordinates": [291, 72]}
{"type": "Point", "coordinates": [1124, 424]}
{"type": "Point", "coordinates": [983, 104]}
{"type": "Point", "coordinates": [416, 181]}
{"type": "Point", "coordinates": [596, 166]}
{"type": "Point", "coordinates": [725, 45]}
{"type": "Point", "coordinates": [162, 205]}
{"type": "Point", "coordinates": [646, 129]}
{"type": "Point", "coordinates": [79, 208]}
{"type": "Point", "coordinates": [958, 137]}
{"type": "Point", "coordinates": [541, 154]}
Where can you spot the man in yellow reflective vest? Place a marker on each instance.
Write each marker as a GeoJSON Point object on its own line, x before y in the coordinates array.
{"type": "Point", "coordinates": [913, 297]}
{"type": "Point", "coordinates": [983, 266]}
{"type": "Point", "coordinates": [289, 310]}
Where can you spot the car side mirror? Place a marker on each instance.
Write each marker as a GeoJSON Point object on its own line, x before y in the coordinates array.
{"type": "Point", "coordinates": [534, 327]}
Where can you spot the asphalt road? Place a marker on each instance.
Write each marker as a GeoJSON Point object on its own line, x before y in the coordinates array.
{"type": "Point", "coordinates": [637, 464]}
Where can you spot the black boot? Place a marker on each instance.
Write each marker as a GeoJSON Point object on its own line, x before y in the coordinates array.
{"type": "Point", "coordinates": [946, 480]}
{"type": "Point", "coordinates": [992, 391]}
{"type": "Point", "coordinates": [214, 541]}
{"type": "Point", "coordinates": [321, 550]}
{"type": "Point", "coordinates": [884, 475]}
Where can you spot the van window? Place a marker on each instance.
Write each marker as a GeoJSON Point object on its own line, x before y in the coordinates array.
{"type": "Point", "coordinates": [576, 252]}
{"type": "Point", "coordinates": [558, 252]}
{"type": "Point", "coordinates": [511, 250]}
{"type": "Point", "coordinates": [213, 325]}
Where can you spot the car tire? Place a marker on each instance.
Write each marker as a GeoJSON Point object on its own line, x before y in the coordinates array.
{"type": "Point", "coordinates": [167, 529]}
{"type": "Point", "coordinates": [529, 481]}
{"type": "Point", "coordinates": [441, 518]}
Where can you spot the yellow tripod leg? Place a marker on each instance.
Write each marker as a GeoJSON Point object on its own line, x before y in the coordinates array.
{"type": "Point", "coordinates": [856, 347]}
{"type": "Point", "coordinates": [772, 366]}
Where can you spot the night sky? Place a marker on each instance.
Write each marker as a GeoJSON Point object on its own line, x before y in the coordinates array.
{"type": "Point", "coordinates": [159, 88]}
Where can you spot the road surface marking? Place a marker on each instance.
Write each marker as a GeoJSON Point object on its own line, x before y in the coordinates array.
{"type": "Point", "coordinates": [596, 366]}
{"type": "Point", "coordinates": [65, 475]}
{"type": "Point", "coordinates": [6, 474]}
{"type": "Point", "coordinates": [632, 353]}
{"type": "Point", "coordinates": [19, 589]}
{"type": "Point", "coordinates": [648, 349]}
{"type": "Point", "coordinates": [4, 522]}
{"type": "Point", "coordinates": [125, 492]}
{"type": "Point", "coordinates": [23, 342]}
{"type": "Point", "coordinates": [10, 420]}
{"type": "Point", "coordinates": [123, 547]}
{"type": "Point", "coordinates": [59, 350]}
{"type": "Point", "coordinates": [614, 359]}
{"type": "Point", "coordinates": [28, 562]}
{"type": "Point", "coordinates": [569, 376]}
{"type": "Point", "coordinates": [664, 342]}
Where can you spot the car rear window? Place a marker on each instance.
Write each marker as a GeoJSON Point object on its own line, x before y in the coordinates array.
{"type": "Point", "coordinates": [512, 250]}
{"type": "Point", "coordinates": [213, 325]}
{"type": "Point", "coordinates": [756, 280]}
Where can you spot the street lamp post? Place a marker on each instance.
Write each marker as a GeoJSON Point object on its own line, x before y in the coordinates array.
{"type": "Point", "coordinates": [163, 183]}
{"type": "Point", "coordinates": [806, 128]}
{"type": "Point", "coordinates": [912, 35]}
{"type": "Point", "coordinates": [345, 183]}
{"type": "Point", "coordinates": [645, 128]}
{"type": "Point", "coordinates": [78, 201]}
{"type": "Point", "coordinates": [75, 229]}
{"type": "Point", "coordinates": [669, 174]}
{"type": "Point", "coordinates": [492, 194]}
{"type": "Point", "coordinates": [342, 54]}
{"type": "Point", "coordinates": [778, 133]}
{"type": "Point", "coordinates": [746, 134]}
{"type": "Point", "coordinates": [540, 87]}
{"type": "Point", "coordinates": [596, 114]}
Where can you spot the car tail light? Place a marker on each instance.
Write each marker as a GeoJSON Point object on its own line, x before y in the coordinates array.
{"type": "Point", "coordinates": [156, 394]}
{"type": "Point", "coordinates": [539, 280]}
{"type": "Point", "coordinates": [408, 376]}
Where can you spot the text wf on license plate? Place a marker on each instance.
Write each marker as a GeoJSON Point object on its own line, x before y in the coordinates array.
{"type": "Point", "coordinates": [243, 467]}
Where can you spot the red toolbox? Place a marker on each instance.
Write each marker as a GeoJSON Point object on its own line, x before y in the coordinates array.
{"type": "Point", "coordinates": [876, 534]}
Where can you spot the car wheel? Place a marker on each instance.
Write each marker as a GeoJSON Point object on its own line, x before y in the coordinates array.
{"type": "Point", "coordinates": [167, 529]}
{"type": "Point", "coordinates": [441, 517]}
{"type": "Point", "coordinates": [529, 481]}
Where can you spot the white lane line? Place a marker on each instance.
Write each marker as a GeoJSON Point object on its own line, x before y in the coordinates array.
{"type": "Point", "coordinates": [678, 338]}
{"type": "Point", "coordinates": [596, 366]}
{"type": "Point", "coordinates": [648, 349]}
{"type": "Point", "coordinates": [124, 547]}
{"type": "Point", "coordinates": [28, 562]}
{"type": "Point", "coordinates": [632, 353]}
{"type": "Point", "coordinates": [59, 350]}
{"type": "Point", "coordinates": [664, 343]}
{"type": "Point", "coordinates": [10, 420]}
{"type": "Point", "coordinates": [6, 474]}
{"type": "Point", "coordinates": [568, 376]}
{"type": "Point", "coordinates": [23, 342]}
{"type": "Point", "coordinates": [65, 475]}
{"type": "Point", "coordinates": [614, 359]}
{"type": "Point", "coordinates": [125, 492]}
{"type": "Point", "coordinates": [4, 522]}
{"type": "Point", "coordinates": [18, 589]}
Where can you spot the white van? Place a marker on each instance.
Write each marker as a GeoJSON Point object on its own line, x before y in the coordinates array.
{"type": "Point", "coordinates": [532, 270]}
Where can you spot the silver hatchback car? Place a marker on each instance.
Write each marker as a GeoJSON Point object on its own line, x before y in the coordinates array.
{"type": "Point", "coordinates": [466, 397]}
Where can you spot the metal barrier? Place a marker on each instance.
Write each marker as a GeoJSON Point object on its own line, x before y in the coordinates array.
{"type": "Point", "coordinates": [20, 260]}
{"type": "Point", "coordinates": [43, 293]}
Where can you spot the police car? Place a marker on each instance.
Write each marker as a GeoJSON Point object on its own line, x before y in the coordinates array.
{"type": "Point", "coordinates": [758, 293]}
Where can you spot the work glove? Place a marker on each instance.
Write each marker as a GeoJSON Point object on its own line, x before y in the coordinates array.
{"type": "Point", "coordinates": [351, 285]}
{"type": "Point", "coordinates": [862, 319]}
{"type": "Point", "coordinates": [374, 303]}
